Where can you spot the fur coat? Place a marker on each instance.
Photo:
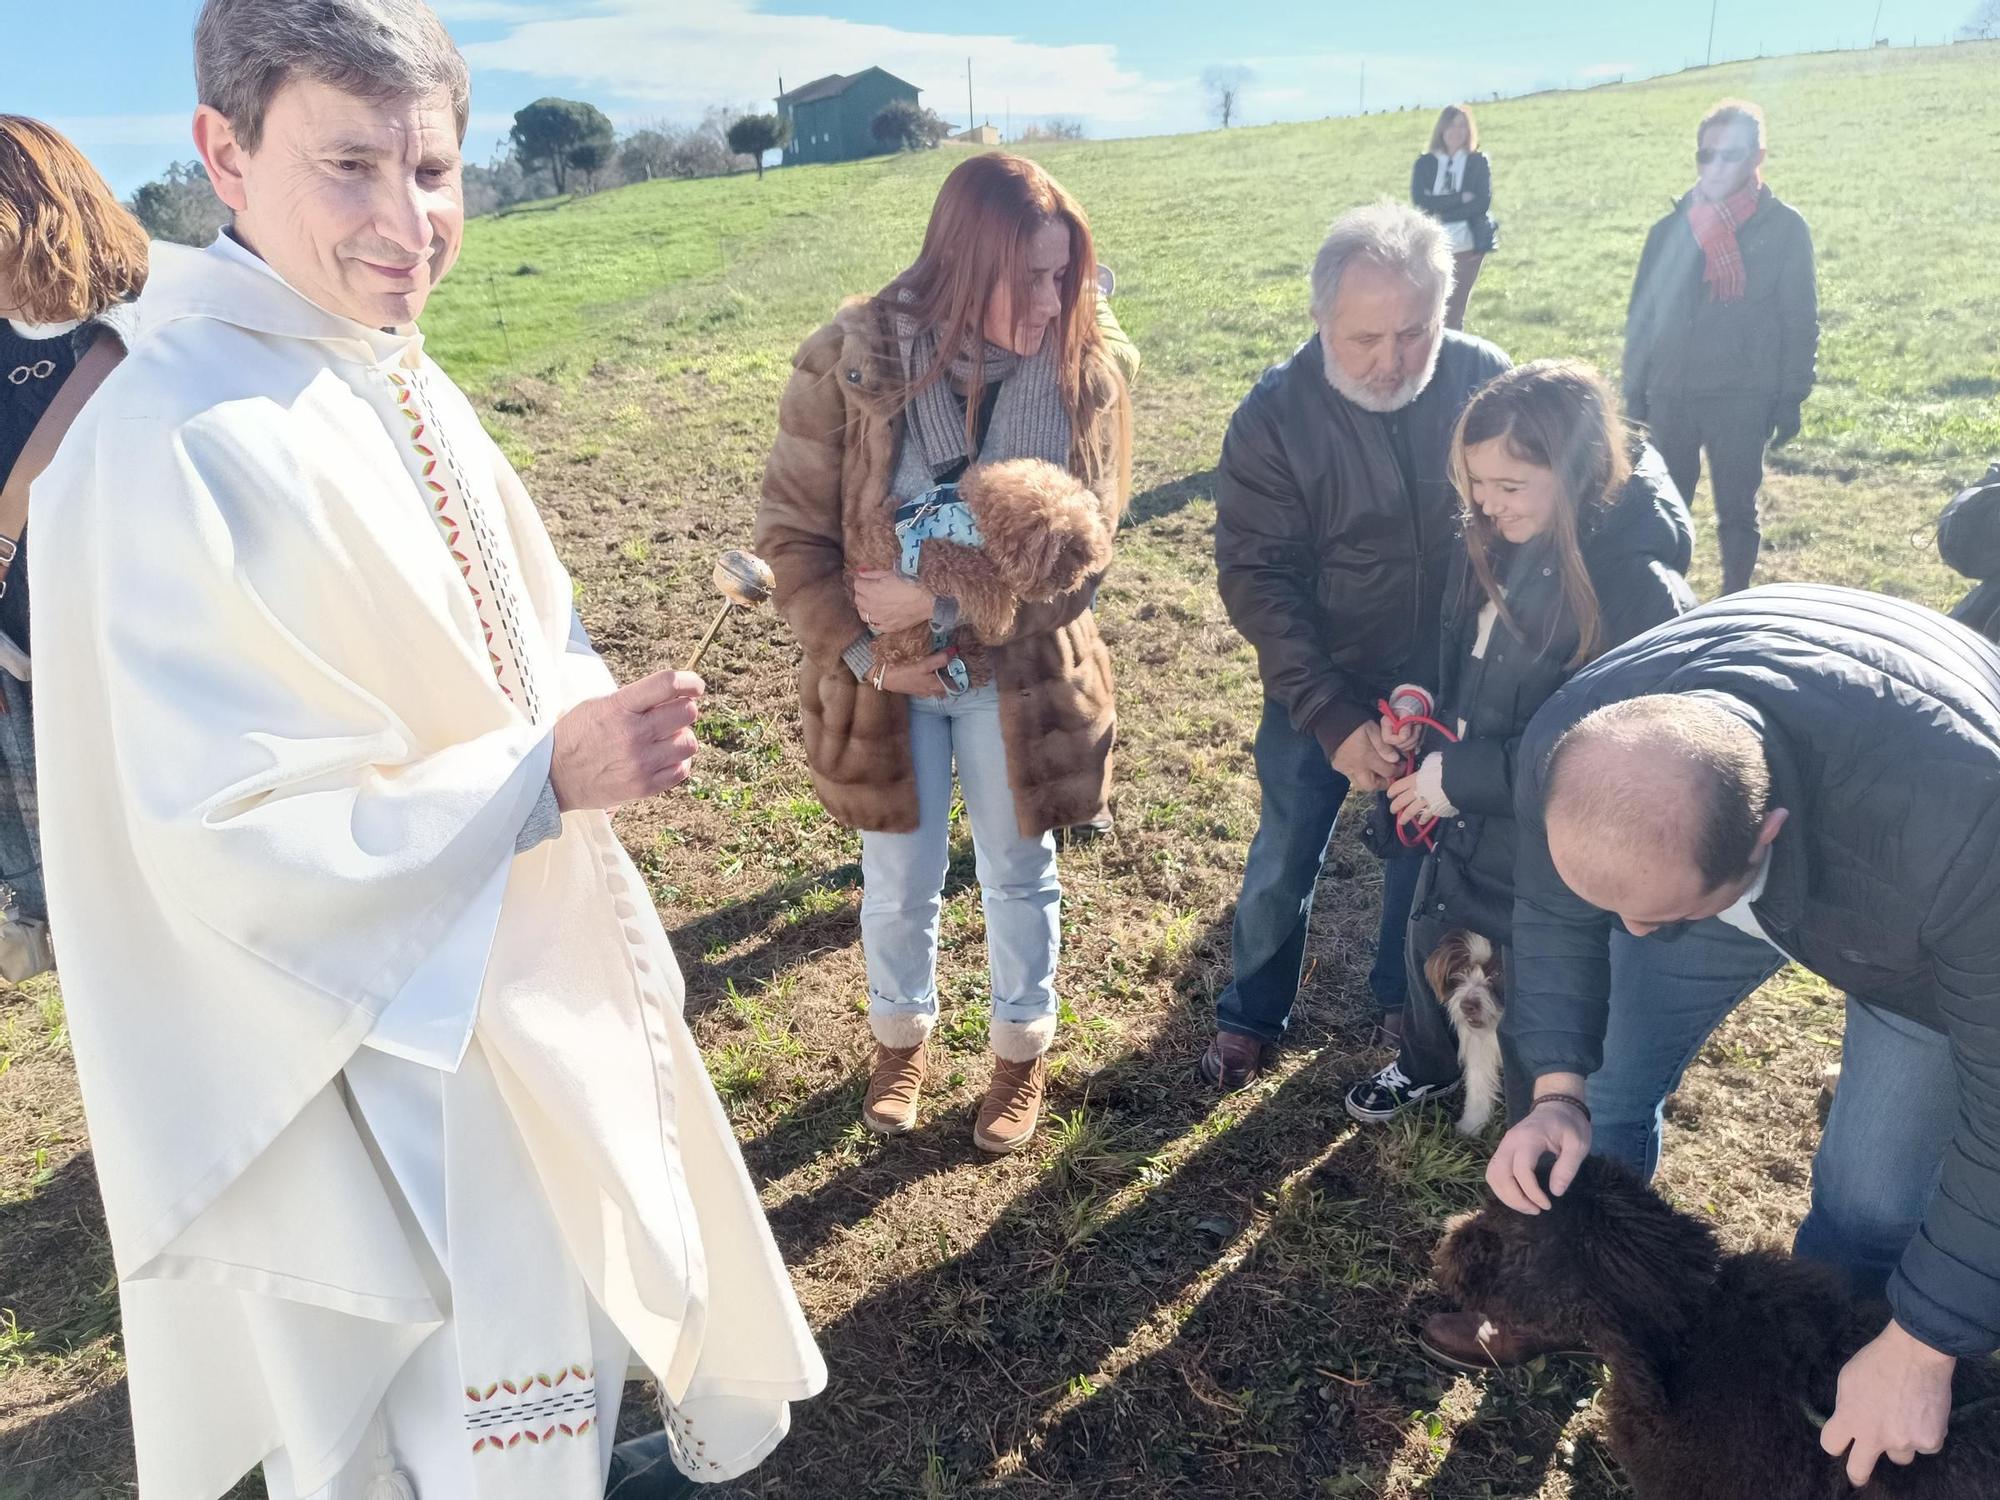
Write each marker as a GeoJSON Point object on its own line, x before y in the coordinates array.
{"type": "Point", "coordinates": [825, 513]}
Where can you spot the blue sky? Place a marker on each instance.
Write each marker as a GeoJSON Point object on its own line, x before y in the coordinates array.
{"type": "Point", "coordinates": [116, 74]}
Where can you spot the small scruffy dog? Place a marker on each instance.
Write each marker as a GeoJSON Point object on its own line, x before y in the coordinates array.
{"type": "Point", "coordinates": [1464, 973]}
{"type": "Point", "coordinates": [1044, 534]}
{"type": "Point", "coordinates": [1719, 1363]}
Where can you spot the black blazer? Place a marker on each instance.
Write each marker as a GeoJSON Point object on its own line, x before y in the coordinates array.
{"type": "Point", "coordinates": [1449, 208]}
{"type": "Point", "coordinates": [1334, 529]}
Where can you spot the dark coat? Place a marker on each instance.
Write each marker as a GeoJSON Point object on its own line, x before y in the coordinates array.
{"type": "Point", "coordinates": [1679, 343]}
{"type": "Point", "coordinates": [1451, 208]}
{"type": "Point", "coordinates": [1334, 529]}
{"type": "Point", "coordinates": [31, 372]}
{"type": "Point", "coordinates": [1881, 725]}
{"type": "Point", "coordinates": [1635, 553]}
{"type": "Point", "coordinates": [1969, 542]}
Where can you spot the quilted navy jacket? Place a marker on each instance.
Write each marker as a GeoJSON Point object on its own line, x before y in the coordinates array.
{"type": "Point", "coordinates": [1881, 725]}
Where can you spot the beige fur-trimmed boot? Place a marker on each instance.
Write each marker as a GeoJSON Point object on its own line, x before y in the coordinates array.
{"type": "Point", "coordinates": [896, 1077]}
{"type": "Point", "coordinates": [895, 1085]}
{"type": "Point", "coordinates": [1012, 1107]}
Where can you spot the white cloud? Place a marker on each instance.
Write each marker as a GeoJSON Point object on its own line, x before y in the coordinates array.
{"type": "Point", "coordinates": [488, 10]}
{"type": "Point", "coordinates": [95, 132]}
{"type": "Point", "coordinates": [681, 58]}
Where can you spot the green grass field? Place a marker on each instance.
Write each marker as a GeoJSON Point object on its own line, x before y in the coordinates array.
{"type": "Point", "coordinates": [1161, 1297]}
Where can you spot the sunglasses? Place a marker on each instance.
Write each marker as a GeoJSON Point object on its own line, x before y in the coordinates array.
{"type": "Point", "coordinates": [1729, 158]}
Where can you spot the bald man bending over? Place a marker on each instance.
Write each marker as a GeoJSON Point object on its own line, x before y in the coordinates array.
{"type": "Point", "coordinates": [1794, 772]}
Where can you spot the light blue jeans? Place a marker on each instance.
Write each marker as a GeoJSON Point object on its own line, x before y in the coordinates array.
{"type": "Point", "coordinates": [903, 874]}
{"type": "Point", "coordinates": [1893, 1111]}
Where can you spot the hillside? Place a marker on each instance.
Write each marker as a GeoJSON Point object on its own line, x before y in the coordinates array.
{"type": "Point", "coordinates": [1160, 1298]}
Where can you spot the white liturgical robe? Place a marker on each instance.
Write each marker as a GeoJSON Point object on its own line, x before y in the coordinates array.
{"type": "Point", "coordinates": [363, 1083]}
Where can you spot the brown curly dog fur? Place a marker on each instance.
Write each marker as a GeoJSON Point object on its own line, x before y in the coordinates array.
{"type": "Point", "coordinates": [1045, 535]}
{"type": "Point", "coordinates": [1714, 1358]}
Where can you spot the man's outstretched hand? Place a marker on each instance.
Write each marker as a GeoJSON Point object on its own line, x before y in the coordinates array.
{"type": "Point", "coordinates": [1552, 1129]}
{"type": "Point", "coordinates": [634, 743]}
{"type": "Point", "coordinates": [1894, 1402]}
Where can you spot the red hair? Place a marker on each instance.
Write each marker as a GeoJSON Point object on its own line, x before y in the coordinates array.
{"type": "Point", "coordinates": [986, 213]}
{"type": "Point", "coordinates": [74, 248]}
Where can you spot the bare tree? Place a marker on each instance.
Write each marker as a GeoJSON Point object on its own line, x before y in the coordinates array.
{"type": "Point", "coordinates": [1059, 128]}
{"type": "Point", "coordinates": [1983, 25]}
{"type": "Point", "coordinates": [647, 152]}
{"type": "Point", "coordinates": [1224, 87]}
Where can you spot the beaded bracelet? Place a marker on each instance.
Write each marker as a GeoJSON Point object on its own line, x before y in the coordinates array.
{"type": "Point", "coordinates": [1541, 1099]}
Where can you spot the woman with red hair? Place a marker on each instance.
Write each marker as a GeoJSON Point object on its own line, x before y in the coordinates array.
{"type": "Point", "coordinates": [941, 446]}
{"type": "Point", "coordinates": [68, 255]}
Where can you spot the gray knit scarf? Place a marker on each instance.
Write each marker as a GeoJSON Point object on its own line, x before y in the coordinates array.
{"type": "Point", "coordinates": [1029, 419]}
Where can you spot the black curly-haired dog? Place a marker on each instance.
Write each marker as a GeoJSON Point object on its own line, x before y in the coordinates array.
{"type": "Point", "coordinates": [1719, 1363]}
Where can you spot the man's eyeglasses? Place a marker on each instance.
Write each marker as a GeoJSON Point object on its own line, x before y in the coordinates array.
{"type": "Point", "coordinates": [1731, 157]}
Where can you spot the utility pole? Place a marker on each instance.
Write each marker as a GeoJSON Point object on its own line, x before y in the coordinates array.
{"type": "Point", "coordinates": [1712, 4]}
{"type": "Point", "coordinates": [971, 120]}
{"type": "Point", "coordinates": [1876, 30]}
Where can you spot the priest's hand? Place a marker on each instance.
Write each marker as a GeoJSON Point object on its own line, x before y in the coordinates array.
{"type": "Point", "coordinates": [637, 742]}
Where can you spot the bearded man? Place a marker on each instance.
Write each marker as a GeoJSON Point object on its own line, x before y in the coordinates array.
{"type": "Point", "coordinates": [405, 1147]}
{"type": "Point", "coordinates": [1335, 524]}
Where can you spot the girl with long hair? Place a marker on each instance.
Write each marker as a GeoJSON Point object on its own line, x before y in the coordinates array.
{"type": "Point", "coordinates": [979, 372]}
{"type": "Point", "coordinates": [1453, 183]}
{"type": "Point", "coordinates": [1575, 541]}
{"type": "Point", "coordinates": [70, 254]}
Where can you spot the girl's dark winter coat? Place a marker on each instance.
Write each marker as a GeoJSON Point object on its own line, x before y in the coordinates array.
{"type": "Point", "coordinates": [1635, 553]}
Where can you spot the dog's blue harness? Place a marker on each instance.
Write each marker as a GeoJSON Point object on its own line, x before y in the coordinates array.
{"type": "Point", "coordinates": [937, 515]}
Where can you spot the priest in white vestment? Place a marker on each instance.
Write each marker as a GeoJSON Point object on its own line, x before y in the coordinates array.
{"type": "Point", "coordinates": [405, 1147]}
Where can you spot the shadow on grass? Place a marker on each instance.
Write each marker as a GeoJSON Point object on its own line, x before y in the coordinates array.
{"type": "Point", "coordinates": [1515, 1437]}
{"type": "Point", "coordinates": [1058, 1284]}
{"type": "Point", "coordinates": [1165, 499]}
{"type": "Point", "coordinates": [790, 933]}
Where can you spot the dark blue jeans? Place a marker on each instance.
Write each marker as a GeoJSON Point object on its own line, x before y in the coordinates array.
{"type": "Point", "coordinates": [1302, 797]}
{"type": "Point", "coordinates": [1893, 1113]}
{"type": "Point", "coordinates": [20, 815]}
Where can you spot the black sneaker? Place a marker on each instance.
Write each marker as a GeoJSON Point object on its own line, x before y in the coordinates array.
{"type": "Point", "coordinates": [1390, 1092]}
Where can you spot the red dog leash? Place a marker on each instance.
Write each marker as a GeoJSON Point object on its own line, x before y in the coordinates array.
{"type": "Point", "coordinates": [1408, 705]}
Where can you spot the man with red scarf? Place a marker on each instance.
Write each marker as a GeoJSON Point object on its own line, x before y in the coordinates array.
{"type": "Point", "coordinates": [1723, 332]}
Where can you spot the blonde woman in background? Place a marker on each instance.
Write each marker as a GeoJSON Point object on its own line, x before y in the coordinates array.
{"type": "Point", "coordinates": [1453, 183]}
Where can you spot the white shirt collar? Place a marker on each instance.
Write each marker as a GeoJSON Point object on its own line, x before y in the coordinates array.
{"type": "Point", "coordinates": [36, 332]}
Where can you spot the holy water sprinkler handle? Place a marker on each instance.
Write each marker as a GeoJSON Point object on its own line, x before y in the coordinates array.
{"type": "Point", "coordinates": [744, 580]}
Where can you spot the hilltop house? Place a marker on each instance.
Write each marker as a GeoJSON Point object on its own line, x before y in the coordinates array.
{"type": "Point", "coordinates": [831, 116]}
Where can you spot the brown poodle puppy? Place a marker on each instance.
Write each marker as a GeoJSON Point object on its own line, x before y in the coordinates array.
{"type": "Point", "coordinates": [1719, 1363]}
{"type": "Point", "coordinates": [1045, 534]}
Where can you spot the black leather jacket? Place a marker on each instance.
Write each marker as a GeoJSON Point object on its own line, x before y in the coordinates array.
{"type": "Point", "coordinates": [1334, 530]}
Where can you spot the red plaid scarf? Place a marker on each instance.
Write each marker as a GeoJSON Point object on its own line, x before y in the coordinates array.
{"type": "Point", "coordinates": [1715, 225]}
